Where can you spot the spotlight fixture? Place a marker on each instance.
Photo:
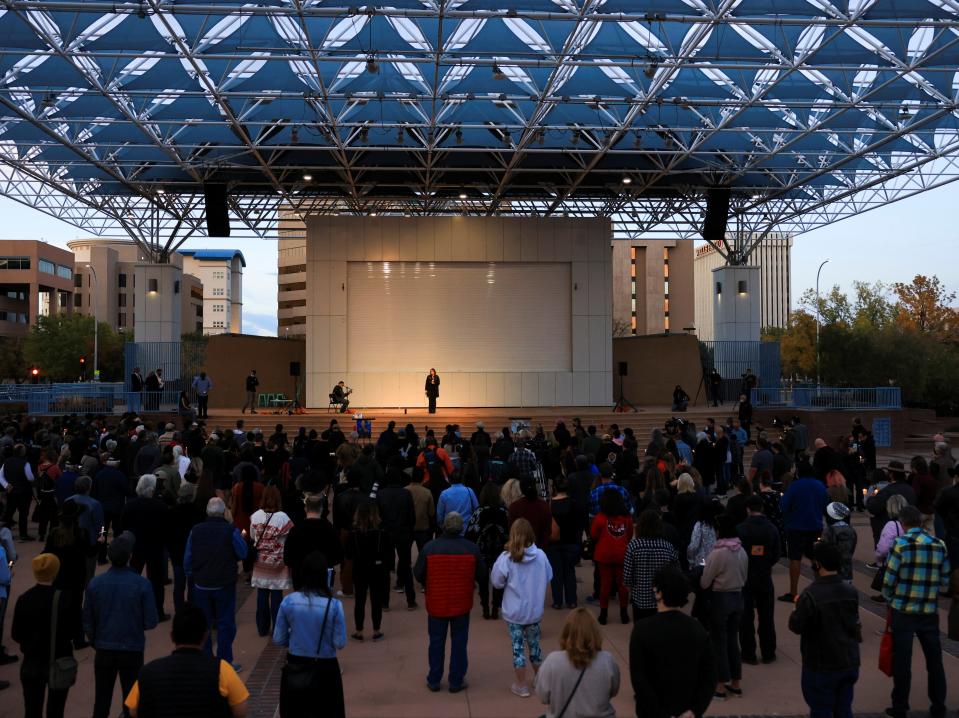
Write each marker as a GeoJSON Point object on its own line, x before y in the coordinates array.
{"type": "Point", "coordinates": [307, 178]}
{"type": "Point", "coordinates": [638, 139]}
{"type": "Point", "coordinates": [627, 180]}
{"type": "Point", "coordinates": [540, 137]}
{"type": "Point", "coordinates": [459, 136]}
{"type": "Point", "coordinates": [372, 66]}
{"type": "Point", "coordinates": [498, 74]}
{"type": "Point", "coordinates": [160, 190]}
{"type": "Point", "coordinates": [364, 134]}
{"type": "Point", "coordinates": [575, 137]}
{"type": "Point", "coordinates": [294, 136]}
{"type": "Point", "coordinates": [48, 102]}
{"type": "Point", "coordinates": [650, 70]}
{"type": "Point", "coordinates": [462, 195]}
{"type": "Point", "coordinates": [400, 136]}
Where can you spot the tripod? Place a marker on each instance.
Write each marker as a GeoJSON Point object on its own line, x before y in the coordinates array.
{"type": "Point", "coordinates": [622, 404]}
{"type": "Point", "coordinates": [703, 387]}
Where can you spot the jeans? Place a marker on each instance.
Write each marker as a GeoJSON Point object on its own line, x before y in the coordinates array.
{"type": "Point", "coordinates": [34, 685]}
{"type": "Point", "coordinates": [724, 611]}
{"type": "Point", "coordinates": [562, 559]}
{"type": "Point", "coordinates": [829, 694]}
{"type": "Point", "coordinates": [156, 573]}
{"type": "Point", "coordinates": [459, 630]}
{"type": "Point", "coordinates": [267, 606]}
{"type": "Point", "coordinates": [107, 665]}
{"type": "Point", "coordinates": [925, 627]}
{"type": "Point", "coordinates": [759, 600]}
{"type": "Point", "coordinates": [219, 607]}
{"type": "Point", "coordinates": [203, 406]}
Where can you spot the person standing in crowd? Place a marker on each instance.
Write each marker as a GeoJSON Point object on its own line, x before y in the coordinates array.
{"type": "Point", "coordinates": [182, 518]}
{"type": "Point", "coordinates": [449, 566]}
{"type": "Point", "coordinates": [71, 545]}
{"type": "Point", "coordinates": [42, 617]}
{"type": "Point", "coordinates": [136, 390]}
{"type": "Point", "coordinates": [646, 555]}
{"type": "Point", "coordinates": [111, 488]}
{"type": "Point", "coordinates": [524, 573]}
{"type": "Point", "coordinates": [565, 545]}
{"type": "Point", "coordinates": [147, 519]}
{"type": "Point", "coordinates": [917, 570]}
{"type": "Point", "coordinates": [803, 505]}
{"type": "Point", "coordinates": [926, 489]}
{"type": "Point", "coordinates": [826, 619]}
{"type": "Point", "coordinates": [314, 533]}
{"type": "Point", "coordinates": [760, 540]}
{"type": "Point", "coordinates": [398, 516]}
{"type": "Point", "coordinates": [458, 498]}
{"type": "Point", "coordinates": [90, 518]}
{"type": "Point", "coordinates": [250, 386]}
{"type": "Point", "coordinates": [611, 531]}
{"type": "Point", "coordinates": [671, 662]}
{"type": "Point", "coordinates": [489, 530]}
{"type": "Point", "coordinates": [424, 506]}
{"type": "Point", "coordinates": [209, 559]}
{"type": "Point", "coordinates": [581, 678]}
{"type": "Point", "coordinates": [118, 609]}
{"type": "Point", "coordinates": [839, 532]}
{"type": "Point", "coordinates": [7, 560]}
{"type": "Point", "coordinates": [269, 528]}
{"type": "Point", "coordinates": [432, 389]}
{"type": "Point", "coordinates": [530, 506]}
{"type": "Point", "coordinates": [371, 551]}
{"type": "Point", "coordinates": [48, 471]}
{"type": "Point", "coordinates": [202, 385]}
{"type": "Point", "coordinates": [725, 573]}
{"type": "Point", "coordinates": [311, 625]}
{"type": "Point", "coordinates": [16, 478]}
{"type": "Point", "coordinates": [189, 683]}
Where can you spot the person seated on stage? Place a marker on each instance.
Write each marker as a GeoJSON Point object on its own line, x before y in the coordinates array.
{"type": "Point", "coordinates": [680, 399]}
{"type": "Point", "coordinates": [340, 394]}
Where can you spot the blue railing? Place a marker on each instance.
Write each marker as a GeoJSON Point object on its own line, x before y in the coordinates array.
{"type": "Point", "coordinates": [828, 397]}
{"type": "Point", "coordinates": [87, 398]}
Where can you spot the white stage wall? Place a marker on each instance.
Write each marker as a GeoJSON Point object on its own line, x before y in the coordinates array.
{"type": "Point", "coordinates": [387, 298]}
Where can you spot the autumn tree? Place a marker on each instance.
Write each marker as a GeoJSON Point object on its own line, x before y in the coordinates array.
{"type": "Point", "coordinates": [924, 305]}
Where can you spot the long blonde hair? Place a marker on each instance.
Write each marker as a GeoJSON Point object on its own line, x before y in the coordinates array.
{"type": "Point", "coordinates": [521, 537]}
{"type": "Point", "coordinates": [510, 492]}
{"type": "Point", "coordinates": [581, 638]}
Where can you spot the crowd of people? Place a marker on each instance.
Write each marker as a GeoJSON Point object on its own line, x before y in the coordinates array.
{"type": "Point", "coordinates": [313, 520]}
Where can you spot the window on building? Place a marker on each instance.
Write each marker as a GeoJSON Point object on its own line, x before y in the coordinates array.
{"type": "Point", "coordinates": [14, 262]}
{"type": "Point", "coordinates": [122, 299]}
{"type": "Point", "coordinates": [121, 280]}
{"type": "Point", "coordinates": [666, 289]}
{"type": "Point", "coordinates": [121, 319]}
{"type": "Point", "coordinates": [64, 272]}
{"type": "Point", "coordinates": [78, 300]}
{"type": "Point", "coordinates": [199, 311]}
{"type": "Point", "coordinates": [217, 308]}
{"type": "Point", "coordinates": [632, 288]}
{"type": "Point", "coordinates": [47, 267]}
{"type": "Point", "coordinates": [78, 280]}
{"type": "Point", "coordinates": [218, 291]}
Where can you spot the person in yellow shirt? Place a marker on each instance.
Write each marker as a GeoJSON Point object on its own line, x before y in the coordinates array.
{"type": "Point", "coordinates": [188, 683]}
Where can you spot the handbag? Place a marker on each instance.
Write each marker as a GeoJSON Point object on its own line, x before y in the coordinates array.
{"type": "Point", "coordinates": [299, 676]}
{"type": "Point", "coordinates": [63, 670]}
{"type": "Point", "coordinates": [885, 649]}
{"type": "Point", "coordinates": [570, 698]}
{"type": "Point", "coordinates": [880, 576]}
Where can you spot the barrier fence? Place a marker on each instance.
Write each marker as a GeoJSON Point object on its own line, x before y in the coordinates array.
{"type": "Point", "coordinates": [828, 397]}
{"type": "Point", "coordinates": [87, 398]}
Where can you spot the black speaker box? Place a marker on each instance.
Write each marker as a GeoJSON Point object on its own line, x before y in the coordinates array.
{"type": "Point", "coordinates": [217, 216]}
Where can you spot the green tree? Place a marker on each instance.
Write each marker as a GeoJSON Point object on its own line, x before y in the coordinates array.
{"type": "Point", "coordinates": [797, 345]}
{"type": "Point", "coordinates": [924, 305]}
{"type": "Point", "coordinates": [12, 363]}
{"type": "Point", "coordinates": [834, 306]}
{"type": "Point", "coordinates": [871, 307]}
{"type": "Point", "coordinates": [56, 343]}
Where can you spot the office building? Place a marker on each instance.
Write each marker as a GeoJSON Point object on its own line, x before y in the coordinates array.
{"type": "Point", "coordinates": [652, 286]}
{"type": "Point", "coordinates": [36, 279]}
{"type": "Point", "coordinates": [220, 271]}
{"type": "Point", "coordinates": [291, 277]}
{"type": "Point", "coordinates": [772, 257]}
{"type": "Point", "coordinates": [104, 284]}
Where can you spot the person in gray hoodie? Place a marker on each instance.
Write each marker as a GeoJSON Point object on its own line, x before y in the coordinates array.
{"type": "Point", "coordinates": [523, 571]}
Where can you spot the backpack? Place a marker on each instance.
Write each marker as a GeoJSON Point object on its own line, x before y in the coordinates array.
{"type": "Point", "coordinates": [45, 484]}
{"type": "Point", "coordinates": [490, 539]}
{"type": "Point", "coordinates": [435, 469]}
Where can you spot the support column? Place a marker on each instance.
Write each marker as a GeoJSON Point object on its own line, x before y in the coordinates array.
{"type": "Point", "coordinates": [157, 302]}
{"type": "Point", "coordinates": [736, 304]}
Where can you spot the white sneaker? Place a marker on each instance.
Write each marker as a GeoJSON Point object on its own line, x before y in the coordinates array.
{"type": "Point", "coordinates": [520, 689]}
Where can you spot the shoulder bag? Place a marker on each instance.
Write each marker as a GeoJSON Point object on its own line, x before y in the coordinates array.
{"type": "Point", "coordinates": [570, 698]}
{"type": "Point", "coordinates": [298, 677]}
{"type": "Point", "coordinates": [880, 576]}
{"type": "Point", "coordinates": [63, 670]}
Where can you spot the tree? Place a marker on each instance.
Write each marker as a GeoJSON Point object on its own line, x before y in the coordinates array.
{"type": "Point", "coordinates": [924, 305]}
{"type": "Point", "coordinates": [871, 307]}
{"type": "Point", "coordinates": [797, 345]}
{"type": "Point", "coordinates": [834, 306]}
{"type": "Point", "coordinates": [56, 343]}
{"type": "Point", "coordinates": [12, 363]}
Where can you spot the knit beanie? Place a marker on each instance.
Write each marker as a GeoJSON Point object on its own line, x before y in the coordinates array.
{"type": "Point", "coordinates": [46, 566]}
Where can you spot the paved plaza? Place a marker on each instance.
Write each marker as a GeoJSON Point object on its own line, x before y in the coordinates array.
{"type": "Point", "coordinates": [388, 678]}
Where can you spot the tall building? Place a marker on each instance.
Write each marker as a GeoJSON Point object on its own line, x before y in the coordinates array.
{"type": "Point", "coordinates": [291, 277]}
{"type": "Point", "coordinates": [652, 286]}
{"type": "Point", "coordinates": [221, 273]}
{"type": "Point", "coordinates": [104, 281]}
{"type": "Point", "coordinates": [773, 257]}
{"type": "Point", "coordinates": [36, 279]}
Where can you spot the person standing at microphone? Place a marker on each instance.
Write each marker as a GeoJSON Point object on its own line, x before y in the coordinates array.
{"type": "Point", "coordinates": [432, 389]}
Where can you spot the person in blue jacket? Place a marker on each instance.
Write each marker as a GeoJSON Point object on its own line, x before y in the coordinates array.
{"type": "Point", "coordinates": [803, 505]}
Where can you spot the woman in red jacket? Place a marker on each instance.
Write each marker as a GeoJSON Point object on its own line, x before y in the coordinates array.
{"type": "Point", "coordinates": [611, 532]}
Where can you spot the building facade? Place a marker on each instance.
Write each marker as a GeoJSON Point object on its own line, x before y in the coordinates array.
{"type": "Point", "coordinates": [773, 257]}
{"type": "Point", "coordinates": [291, 277]}
{"type": "Point", "coordinates": [104, 284]}
{"type": "Point", "coordinates": [652, 286]}
{"type": "Point", "coordinates": [36, 279]}
{"type": "Point", "coordinates": [220, 272]}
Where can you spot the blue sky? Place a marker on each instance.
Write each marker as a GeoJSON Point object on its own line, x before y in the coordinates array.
{"type": "Point", "coordinates": [890, 244]}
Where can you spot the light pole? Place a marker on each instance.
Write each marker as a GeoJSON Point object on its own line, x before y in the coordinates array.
{"type": "Point", "coordinates": [818, 321]}
{"type": "Point", "coordinates": [93, 306]}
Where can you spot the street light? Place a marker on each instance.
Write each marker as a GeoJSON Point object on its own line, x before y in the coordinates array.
{"type": "Point", "coordinates": [96, 286]}
{"type": "Point", "coordinates": [818, 321]}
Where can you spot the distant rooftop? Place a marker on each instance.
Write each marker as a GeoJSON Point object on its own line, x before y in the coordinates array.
{"type": "Point", "coordinates": [214, 254]}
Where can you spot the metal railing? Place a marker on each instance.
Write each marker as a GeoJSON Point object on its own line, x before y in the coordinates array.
{"type": "Point", "coordinates": [732, 359]}
{"type": "Point", "coordinates": [828, 397]}
{"type": "Point", "coordinates": [87, 398]}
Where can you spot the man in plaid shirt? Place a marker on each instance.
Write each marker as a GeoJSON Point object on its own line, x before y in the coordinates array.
{"type": "Point", "coordinates": [917, 571]}
{"type": "Point", "coordinates": [523, 464]}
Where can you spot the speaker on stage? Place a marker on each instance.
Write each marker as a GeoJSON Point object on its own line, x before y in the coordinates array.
{"type": "Point", "coordinates": [294, 368]}
{"type": "Point", "coordinates": [717, 214]}
{"type": "Point", "coordinates": [623, 368]}
{"type": "Point", "coordinates": [217, 216]}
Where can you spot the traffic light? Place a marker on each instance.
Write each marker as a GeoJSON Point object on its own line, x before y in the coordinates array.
{"type": "Point", "coordinates": [35, 373]}
{"type": "Point", "coordinates": [83, 360]}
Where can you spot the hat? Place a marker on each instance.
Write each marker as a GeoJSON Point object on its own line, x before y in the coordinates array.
{"type": "Point", "coordinates": [140, 427]}
{"type": "Point", "coordinates": [46, 566]}
{"type": "Point", "coordinates": [837, 511]}
{"type": "Point", "coordinates": [121, 548]}
{"type": "Point", "coordinates": [896, 467]}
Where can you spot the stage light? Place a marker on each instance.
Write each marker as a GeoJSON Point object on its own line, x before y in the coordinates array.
{"type": "Point", "coordinates": [650, 70]}
{"type": "Point", "coordinates": [459, 136]}
{"type": "Point", "coordinates": [153, 286]}
{"type": "Point", "coordinates": [307, 178]}
{"type": "Point", "coordinates": [627, 180]}
{"type": "Point", "coordinates": [575, 138]}
{"type": "Point", "coordinates": [462, 195]}
{"type": "Point", "coordinates": [294, 136]}
{"type": "Point", "coordinates": [498, 74]}
{"type": "Point", "coordinates": [372, 66]}
{"type": "Point", "coordinates": [364, 134]}
{"type": "Point", "coordinates": [160, 190]}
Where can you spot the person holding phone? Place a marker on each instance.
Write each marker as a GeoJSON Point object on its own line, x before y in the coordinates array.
{"type": "Point", "coordinates": [432, 389]}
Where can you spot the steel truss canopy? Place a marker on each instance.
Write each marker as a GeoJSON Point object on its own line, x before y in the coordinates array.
{"type": "Point", "coordinates": [114, 115]}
